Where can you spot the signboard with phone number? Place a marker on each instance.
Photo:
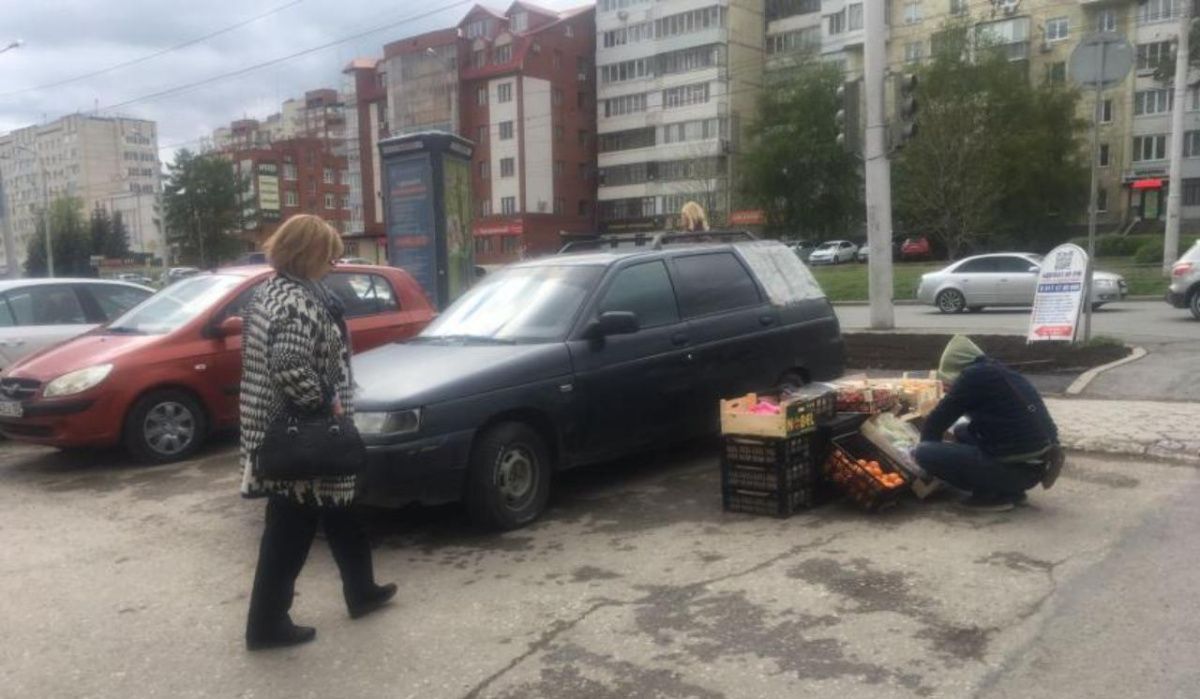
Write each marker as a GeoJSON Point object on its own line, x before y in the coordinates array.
{"type": "Point", "coordinates": [1061, 285]}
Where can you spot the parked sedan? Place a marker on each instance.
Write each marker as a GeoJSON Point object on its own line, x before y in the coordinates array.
{"type": "Point", "coordinates": [916, 249]}
{"type": "Point", "coordinates": [1003, 279]}
{"type": "Point", "coordinates": [575, 359]}
{"type": "Point", "coordinates": [1184, 291]}
{"type": "Point", "coordinates": [833, 252]}
{"type": "Point", "coordinates": [39, 313]}
{"type": "Point", "coordinates": [160, 378]}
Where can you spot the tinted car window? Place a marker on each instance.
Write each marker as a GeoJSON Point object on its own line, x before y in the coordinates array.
{"type": "Point", "coordinates": [983, 264]}
{"type": "Point", "coordinates": [115, 300]}
{"type": "Point", "coordinates": [646, 290]}
{"type": "Point", "coordinates": [363, 294]}
{"type": "Point", "coordinates": [713, 283]}
{"type": "Point", "coordinates": [46, 305]}
{"type": "Point", "coordinates": [6, 316]}
{"type": "Point", "coordinates": [1013, 265]}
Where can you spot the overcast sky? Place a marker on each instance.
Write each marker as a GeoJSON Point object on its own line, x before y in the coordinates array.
{"type": "Point", "coordinates": [68, 38]}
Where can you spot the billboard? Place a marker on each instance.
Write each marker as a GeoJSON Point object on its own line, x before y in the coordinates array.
{"type": "Point", "coordinates": [268, 191]}
{"type": "Point", "coordinates": [460, 243]}
{"type": "Point", "coordinates": [412, 243]}
{"type": "Point", "coordinates": [1061, 285]}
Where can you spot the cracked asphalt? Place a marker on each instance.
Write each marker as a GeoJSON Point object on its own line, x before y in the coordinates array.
{"type": "Point", "coordinates": [124, 581]}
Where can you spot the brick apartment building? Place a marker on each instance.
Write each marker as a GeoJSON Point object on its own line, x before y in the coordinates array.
{"type": "Point", "coordinates": [520, 84]}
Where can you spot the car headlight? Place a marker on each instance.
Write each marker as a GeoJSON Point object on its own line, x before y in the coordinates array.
{"type": "Point", "coordinates": [399, 422]}
{"type": "Point", "coordinates": [77, 381]}
{"type": "Point", "coordinates": [1106, 282]}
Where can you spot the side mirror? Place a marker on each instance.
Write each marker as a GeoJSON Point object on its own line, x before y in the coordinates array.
{"type": "Point", "coordinates": [1035, 270]}
{"type": "Point", "coordinates": [230, 327]}
{"type": "Point", "coordinates": [614, 323]}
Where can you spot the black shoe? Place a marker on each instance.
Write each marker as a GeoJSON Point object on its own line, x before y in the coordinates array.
{"type": "Point", "coordinates": [282, 637]}
{"type": "Point", "coordinates": [380, 596]}
{"type": "Point", "coordinates": [980, 502]}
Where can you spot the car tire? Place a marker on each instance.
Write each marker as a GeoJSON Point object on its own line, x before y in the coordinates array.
{"type": "Point", "coordinates": [165, 426]}
{"type": "Point", "coordinates": [1097, 306]}
{"type": "Point", "coordinates": [508, 477]}
{"type": "Point", "coordinates": [1194, 304]}
{"type": "Point", "coordinates": [951, 301]}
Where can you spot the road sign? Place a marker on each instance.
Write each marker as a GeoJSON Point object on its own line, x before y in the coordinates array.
{"type": "Point", "coordinates": [1061, 287]}
{"type": "Point", "coordinates": [1101, 61]}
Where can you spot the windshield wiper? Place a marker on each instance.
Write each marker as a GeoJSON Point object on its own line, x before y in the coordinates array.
{"type": "Point", "coordinates": [467, 338]}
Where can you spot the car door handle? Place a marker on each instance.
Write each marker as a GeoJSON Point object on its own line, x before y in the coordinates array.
{"type": "Point", "coordinates": [679, 339]}
{"type": "Point", "coordinates": [766, 320]}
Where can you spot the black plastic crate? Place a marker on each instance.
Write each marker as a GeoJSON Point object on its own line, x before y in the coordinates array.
{"type": "Point", "coordinates": [773, 504]}
{"type": "Point", "coordinates": [844, 472]}
{"type": "Point", "coordinates": [766, 463]}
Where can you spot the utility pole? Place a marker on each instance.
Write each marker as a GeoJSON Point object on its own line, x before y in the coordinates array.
{"type": "Point", "coordinates": [10, 241]}
{"type": "Point", "coordinates": [1175, 178]}
{"type": "Point", "coordinates": [876, 166]}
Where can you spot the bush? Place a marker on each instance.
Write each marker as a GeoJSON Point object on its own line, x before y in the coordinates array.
{"type": "Point", "coordinates": [1115, 245]}
{"type": "Point", "coordinates": [1150, 252]}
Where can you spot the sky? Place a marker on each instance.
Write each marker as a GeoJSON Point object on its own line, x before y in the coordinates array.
{"type": "Point", "coordinates": [65, 39]}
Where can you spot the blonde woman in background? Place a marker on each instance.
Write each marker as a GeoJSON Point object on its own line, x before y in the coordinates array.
{"type": "Point", "coordinates": [693, 217]}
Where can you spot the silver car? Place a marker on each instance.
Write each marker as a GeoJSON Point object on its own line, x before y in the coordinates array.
{"type": "Point", "coordinates": [38, 313]}
{"type": "Point", "coordinates": [833, 252]}
{"type": "Point", "coordinates": [1184, 291]}
{"type": "Point", "coordinates": [1001, 279]}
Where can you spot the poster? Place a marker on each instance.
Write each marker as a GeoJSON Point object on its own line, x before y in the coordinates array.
{"type": "Point", "coordinates": [412, 243]}
{"type": "Point", "coordinates": [460, 244]}
{"type": "Point", "coordinates": [268, 191]}
{"type": "Point", "coordinates": [1061, 286]}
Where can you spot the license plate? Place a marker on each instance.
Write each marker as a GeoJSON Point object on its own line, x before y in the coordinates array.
{"type": "Point", "coordinates": [11, 408]}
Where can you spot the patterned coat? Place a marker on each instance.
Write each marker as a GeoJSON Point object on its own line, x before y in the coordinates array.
{"type": "Point", "coordinates": [291, 347]}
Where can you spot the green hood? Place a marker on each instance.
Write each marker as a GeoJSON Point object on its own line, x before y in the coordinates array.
{"type": "Point", "coordinates": [959, 354]}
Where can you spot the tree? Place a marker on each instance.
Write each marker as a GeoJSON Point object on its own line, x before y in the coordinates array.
{"type": "Point", "coordinates": [997, 160]}
{"type": "Point", "coordinates": [108, 234]}
{"type": "Point", "coordinates": [793, 167]}
{"type": "Point", "coordinates": [69, 240]}
{"type": "Point", "coordinates": [202, 207]}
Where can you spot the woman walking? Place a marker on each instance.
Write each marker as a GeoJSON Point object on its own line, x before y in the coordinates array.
{"type": "Point", "coordinates": [296, 357]}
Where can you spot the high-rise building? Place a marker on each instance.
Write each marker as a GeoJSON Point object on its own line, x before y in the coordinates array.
{"type": "Point", "coordinates": [678, 84]}
{"type": "Point", "coordinates": [108, 162]}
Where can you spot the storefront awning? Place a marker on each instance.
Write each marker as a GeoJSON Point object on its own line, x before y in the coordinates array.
{"type": "Point", "coordinates": [1147, 183]}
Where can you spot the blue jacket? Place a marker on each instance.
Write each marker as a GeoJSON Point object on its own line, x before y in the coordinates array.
{"type": "Point", "coordinates": [1007, 415]}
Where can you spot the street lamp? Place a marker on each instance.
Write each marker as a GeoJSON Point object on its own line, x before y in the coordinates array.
{"type": "Point", "coordinates": [45, 206]}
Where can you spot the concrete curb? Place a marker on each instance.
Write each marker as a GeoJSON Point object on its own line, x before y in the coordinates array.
{"type": "Point", "coordinates": [1079, 384]}
{"type": "Point", "coordinates": [914, 302]}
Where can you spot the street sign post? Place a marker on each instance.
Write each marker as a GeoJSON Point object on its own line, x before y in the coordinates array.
{"type": "Point", "coordinates": [1061, 290]}
{"type": "Point", "coordinates": [1100, 61]}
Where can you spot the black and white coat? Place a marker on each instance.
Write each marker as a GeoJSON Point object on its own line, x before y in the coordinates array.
{"type": "Point", "coordinates": [293, 351]}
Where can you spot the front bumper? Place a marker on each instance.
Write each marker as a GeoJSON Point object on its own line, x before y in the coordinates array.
{"type": "Point", "coordinates": [430, 471]}
{"type": "Point", "coordinates": [1176, 299]}
{"type": "Point", "coordinates": [1110, 293]}
{"type": "Point", "coordinates": [66, 423]}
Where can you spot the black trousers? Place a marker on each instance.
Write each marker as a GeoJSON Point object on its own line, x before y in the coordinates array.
{"type": "Point", "coordinates": [286, 539]}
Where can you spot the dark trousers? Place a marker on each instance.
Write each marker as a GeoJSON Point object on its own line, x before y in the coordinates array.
{"type": "Point", "coordinates": [286, 539]}
{"type": "Point", "coordinates": [967, 467]}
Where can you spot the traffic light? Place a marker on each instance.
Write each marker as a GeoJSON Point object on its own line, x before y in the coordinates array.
{"type": "Point", "coordinates": [847, 116]}
{"type": "Point", "coordinates": [906, 108]}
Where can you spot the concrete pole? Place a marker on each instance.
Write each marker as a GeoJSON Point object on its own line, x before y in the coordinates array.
{"type": "Point", "coordinates": [876, 167]}
{"type": "Point", "coordinates": [1175, 181]}
{"type": "Point", "coordinates": [10, 240]}
{"type": "Point", "coordinates": [1093, 195]}
{"type": "Point", "coordinates": [46, 219]}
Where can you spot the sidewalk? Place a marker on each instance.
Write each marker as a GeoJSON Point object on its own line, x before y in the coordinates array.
{"type": "Point", "coordinates": [1149, 428]}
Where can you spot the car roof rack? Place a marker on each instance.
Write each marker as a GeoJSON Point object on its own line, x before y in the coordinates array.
{"type": "Point", "coordinates": [655, 240]}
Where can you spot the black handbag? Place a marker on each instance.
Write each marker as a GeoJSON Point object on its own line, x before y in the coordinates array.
{"type": "Point", "coordinates": [302, 447]}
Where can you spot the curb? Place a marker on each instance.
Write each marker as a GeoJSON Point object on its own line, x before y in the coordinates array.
{"type": "Point", "coordinates": [1078, 385]}
{"type": "Point", "coordinates": [914, 302]}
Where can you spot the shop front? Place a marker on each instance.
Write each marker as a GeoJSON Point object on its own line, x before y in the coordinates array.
{"type": "Point", "coordinates": [1148, 198]}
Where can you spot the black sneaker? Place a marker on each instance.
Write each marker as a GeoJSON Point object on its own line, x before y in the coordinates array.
{"type": "Point", "coordinates": [380, 596]}
{"type": "Point", "coordinates": [980, 502]}
{"type": "Point", "coordinates": [281, 637]}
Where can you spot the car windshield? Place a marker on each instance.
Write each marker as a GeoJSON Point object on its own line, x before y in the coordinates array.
{"type": "Point", "coordinates": [828, 246]}
{"type": "Point", "coordinates": [519, 304]}
{"type": "Point", "coordinates": [175, 305]}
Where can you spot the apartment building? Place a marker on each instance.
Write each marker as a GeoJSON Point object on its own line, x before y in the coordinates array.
{"type": "Point", "coordinates": [319, 114]}
{"type": "Point", "coordinates": [677, 83]}
{"type": "Point", "coordinates": [109, 162]}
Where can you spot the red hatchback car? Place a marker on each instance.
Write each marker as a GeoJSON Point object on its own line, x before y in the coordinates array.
{"type": "Point", "coordinates": [165, 375]}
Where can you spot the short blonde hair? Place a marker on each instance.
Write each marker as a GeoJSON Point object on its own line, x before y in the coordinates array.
{"type": "Point", "coordinates": [693, 217]}
{"type": "Point", "coordinates": [303, 247]}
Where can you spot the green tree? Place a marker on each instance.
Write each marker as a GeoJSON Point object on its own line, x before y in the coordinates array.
{"type": "Point", "coordinates": [998, 160]}
{"type": "Point", "coordinates": [108, 234]}
{"type": "Point", "coordinates": [202, 207]}
{"type": "Point", "coordinates": [793, 168]}
{"type": "Point", "coordinates": [69, 240]}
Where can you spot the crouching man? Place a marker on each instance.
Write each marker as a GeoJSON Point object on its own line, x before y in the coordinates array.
{"type": "Point", "coordinates": [1008, 442]}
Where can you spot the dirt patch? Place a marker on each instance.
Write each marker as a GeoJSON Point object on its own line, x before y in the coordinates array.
{"type": "Point", "coordinates": [898, 351]}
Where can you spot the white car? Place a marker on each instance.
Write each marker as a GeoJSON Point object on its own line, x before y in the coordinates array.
{"type": "Point", "coordinates": [39, 313]}
{"type": "Point", "coordinates": [1001, 279]}
{"type": "Point", "coordinates": [833, 252]}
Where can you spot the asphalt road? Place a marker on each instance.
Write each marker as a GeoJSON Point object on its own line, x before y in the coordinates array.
{"type": "Point", "coordinates": [123, 581]}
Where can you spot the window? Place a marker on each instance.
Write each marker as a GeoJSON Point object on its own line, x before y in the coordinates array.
{"type": "Point", "coordinates": [914, 51]}
{"type": "Point", "coordinates": [690, 22]}
{"type": "Point", "coordinates": [582, 208]}
{"type": "Point", "coordinates": [627, 70]}
{"type": "Point", "coordinates": [981, 265]}
{"type": "Point", "coordinates": [1103, 156]}
{"type": "Point", "coordinates": [504, 92]}
{"type": "Point", "coordinates": [1106, 21]}
{"type": "Point", "coordinates": [363, 294]}
{"type": "Point", "coordinates": [290, 199]}
{"type": "Point", "coordinates": [713, 283]}
{"type": "Point", "coordinates": [483, 244]}
{"type": "Point", "coordinates": [1056, 73]}
{"type": "Point", "coordinates": [556, 97]}
{"type": "Point", "coordinates": [631, 34]}
{"type": "Point", "coordinates": [502, 54]}
{"type": "Point", "coordinates": [113, 299]}
{"type": "Point", "coordinates": [1057, 29]}
{"type": "Point", "coordinates": [1149, 147]}
{"type": "Point", "coordinates": [1191, 192]}
{"type": "Point", "coordinates": [581, 100]}
{"type": "Point", "coordinates": [1012, 265]}
{"type": "Point", "coordinates": [644, 290]}
{"type": "Point", "coordinates": [583, 172]}
{"type": "Point", "coordinates": [1158, 101]}
{"type": "Point", "coordinates": [519, 21]}
{"type": "Point", "coordinates": [330, 201]}
{"type": "Point", "coordinates": [507, 167]}
{"type": "Point", "coordinates": [685, 95]}
{"type": "Point", "coordinates": [289, 171]}
{"type": "Point", "coordinates": [1150, 11]}
{"type": "Point", "coordinates": [806, 40]}
{"type": "Point", "coordinates": [560, 205]}
{"type": "Point", "coordinates": [958, 7]}
{"type": "Point", "coordinates": [627, 104]}
{"type": "Point", "coordinates": [569, 30]}
{"type": "Point", "coordinates": [1149, 56]}
{"type": "Point", "coordinates": [686, 60]}
{"type": "Point", "coordinates": [506, 130]}
{"type": "Point", "coordinates": [508, 205]}
{"type": "Point", "coordinates": [479, 58]}
{"type": "Point", "coordinates": [779, 9]}
{"type": "Point", "coordinates": [558, 132]}
{"type": "Point", "coordinates": [835, 23]}
{"type": "Point", "coordinates": [481, 136]}
{"type": "Point", "coordinates": [1106, 111]}
{"type": "Point", "coordinates": [583, 137]}
{"type": "Point", "coordinates": [476, 29]}
{"type": "Point", "coordinates": [485, 170]}
{"type": "Point", "coordinates": [45, 305]}
{"type": "Point", "coordinates": [559, 167]}
{"type": "Point", "coordinates": [327, 176]}
{"type": "Point", "coordinates": [556, 59]}
{"type": "Point", "coordinates": [485, 207]}
{"type": "Point", "coordinates": [854, 17]}
{"type": "Point", "coordinates": [913, 13]}
{"type": "Point", "coordinates": [481, 95]}
{"type": "Point", "coordinates": [1191, 144]}
{"type": "Point", "coordinates": [1102, 199]}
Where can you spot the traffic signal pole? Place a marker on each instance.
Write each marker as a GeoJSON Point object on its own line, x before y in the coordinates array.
{"type": "Point", "coordinates": [877, 168]}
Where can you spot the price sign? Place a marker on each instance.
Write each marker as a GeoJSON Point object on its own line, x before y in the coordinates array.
{"type": "Point", "coordinates": [1061, 286]}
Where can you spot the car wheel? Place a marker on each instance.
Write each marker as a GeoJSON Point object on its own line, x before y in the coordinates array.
{"type": "Point", "coordinates": [165, 426]}
{"type": "Point", "coordinates": [1194, 304]}
{"type": "Point", "coordinates": [1097, 306]}
{"type": "Point", "coordinates": [951, 301]}
{"type": "Point", "coordinates": [508, 478]}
